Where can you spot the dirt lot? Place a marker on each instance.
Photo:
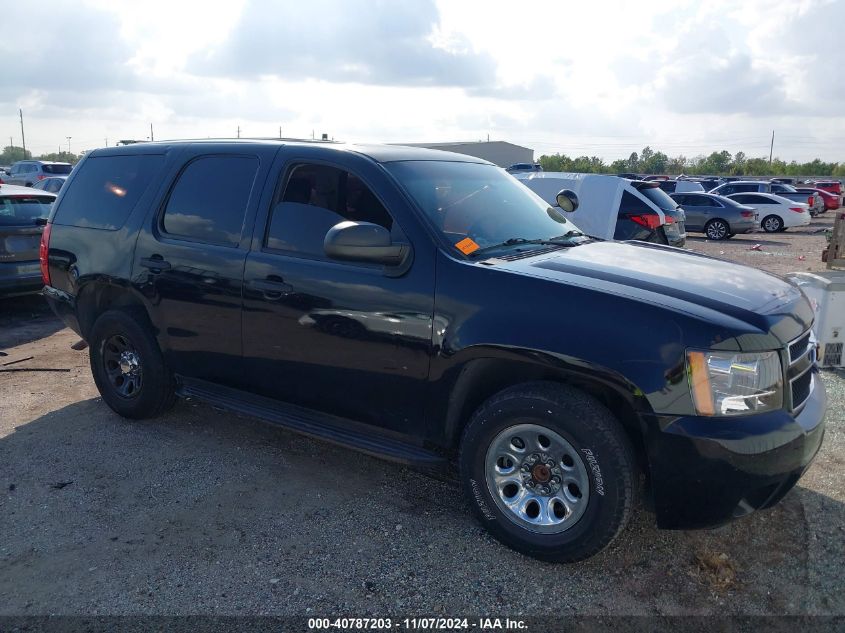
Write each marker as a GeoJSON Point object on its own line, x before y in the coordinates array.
{"type": "Point", "coordinates": [208, 512]}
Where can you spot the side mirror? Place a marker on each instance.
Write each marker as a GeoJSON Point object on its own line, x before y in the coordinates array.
{"type": "Point", "coordinates": [567, 200]}
{"type": "Point", "coordinates": [364, 242]}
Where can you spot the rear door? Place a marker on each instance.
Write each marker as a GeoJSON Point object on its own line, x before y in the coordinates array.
{"type": "Point", "coordinates": [190, 255]}
{"type": "Point", "coordinates": [21, 224]}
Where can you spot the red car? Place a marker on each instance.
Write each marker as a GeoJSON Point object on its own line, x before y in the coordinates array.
{"type": "Point", "coordinates": [831, 200]}
{"type": "Point", "coordinates": [831, 186]}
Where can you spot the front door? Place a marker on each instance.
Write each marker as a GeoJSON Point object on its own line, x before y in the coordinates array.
{"type": "Point", "coordinates": [348, 339]}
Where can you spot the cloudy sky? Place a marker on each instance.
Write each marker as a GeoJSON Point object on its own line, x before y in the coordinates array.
{"type": "Point", "coordinates": [580, 77]}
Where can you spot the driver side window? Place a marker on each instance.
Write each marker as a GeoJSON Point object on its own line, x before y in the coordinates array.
{"type": "Point", "coordinates": [314, 198]}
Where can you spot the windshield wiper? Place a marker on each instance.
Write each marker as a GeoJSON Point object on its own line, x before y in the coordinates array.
{"type": "Point", "coordinates": [513, 241]}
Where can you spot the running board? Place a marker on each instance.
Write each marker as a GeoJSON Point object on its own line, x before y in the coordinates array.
{"type": "Point", "coordinates": [318, 425]}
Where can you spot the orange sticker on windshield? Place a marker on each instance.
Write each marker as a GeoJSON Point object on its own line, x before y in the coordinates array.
{"type": "Point", "coordinates": [466, 246]}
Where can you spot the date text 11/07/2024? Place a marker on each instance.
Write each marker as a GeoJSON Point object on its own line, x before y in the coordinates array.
{"type": "Point", "coordinates": [424, 624]}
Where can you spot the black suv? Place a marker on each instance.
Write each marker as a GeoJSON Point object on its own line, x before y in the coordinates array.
{"type": "Point", "coordinates": [426, 307]}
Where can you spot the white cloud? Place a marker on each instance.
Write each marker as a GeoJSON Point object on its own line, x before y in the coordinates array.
{"type": "Point", "coordinates": [603, 78]}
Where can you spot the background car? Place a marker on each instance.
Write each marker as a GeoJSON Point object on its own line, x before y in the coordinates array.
{"type": "Point", "coordinates": [717, 217]}
{"type": "Point", "coordinates": [776, 213]}
{"type": "Point", "coordinates": [616, 208]}
{"type": "Point", "coordinates": [679, 186]}
{"type": "Point", "coordinates": [23, 214]}
{"type": "Point", "coordinates": [743, 186]}
{"type": "Point", "coordinates": [28, 172]}
{"type": "Point", "coordinates": [830, 200]}
{"type": "Point", "coordinates": [519, 168]}
{"type": "Point", "coordinates": [832, 186]}
{"type": "Point", "coordinates": [51, 185]}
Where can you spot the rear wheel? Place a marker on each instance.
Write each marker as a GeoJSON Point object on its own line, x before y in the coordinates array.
{"type": "Point", "coordinates": [549, 471]}
{"type": "Point", "coordinates": [772, 224]}
{"type": "Point", "coordinates": [128, 366]}
{"type": "Point", "coordinates": [717, 229]}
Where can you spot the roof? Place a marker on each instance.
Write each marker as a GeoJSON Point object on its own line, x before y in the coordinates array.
{"type": "Point", "coordinates": [379, 153]}
{"type": "Point", "coordinates": [453, 143]}
{"type": "Point", "coordinates": [42, 162]}
{"type": "Point", "coordinates": [16, 190]}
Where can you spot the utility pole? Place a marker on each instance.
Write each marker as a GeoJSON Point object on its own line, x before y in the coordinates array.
{"type": "Point", "coordinates": [280, 131]}
{"type": "Point", "coordinates": [152, 138]}
{"type": "Point", "coordinates": [772, 148]}
{"type": "Point", "coordinates": [107, 141]}
{"type": "Point", "coordinates": [239, 131]}
{"type": "Point", "coordinates": [23, 138]}
{"type": "Point", "coordinates": [68, 144]}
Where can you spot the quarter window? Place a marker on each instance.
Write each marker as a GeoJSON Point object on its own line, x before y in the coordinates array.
{"type": "Point", "coordinates": [210, 199]}
{"type": "Point", "coordinates": [314, 199]}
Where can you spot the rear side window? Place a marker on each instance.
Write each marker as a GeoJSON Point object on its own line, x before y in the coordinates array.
{"type": "Point", "coordinates": [210, 198]}
{"type": "Point", "coordinates": [62, 170]}
{"type": "Point", "coordinates": [24, 211]}
{"type": "Point", "coordinates": [106, 189]}
{"type": "Point", "coordinates": [752, 199]}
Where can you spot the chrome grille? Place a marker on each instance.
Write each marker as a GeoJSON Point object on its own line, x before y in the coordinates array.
{"type": "Point", "coordinates": [799, 347]}
{"type": "Point", "coordinates": [801, 388]}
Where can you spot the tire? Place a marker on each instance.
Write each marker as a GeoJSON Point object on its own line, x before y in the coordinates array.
{"type": "Point", "coordinates": [596, 453]}
{"type": "Point", "coordinates": [128, 366]}
{"type": "Point", "coordinates": [772, 224]}
{"type": "Point", "coordinates": [717, 229]}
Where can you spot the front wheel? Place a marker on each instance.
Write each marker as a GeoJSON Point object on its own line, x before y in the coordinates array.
{"type": "Point", "coordinates": [772, 224]}
{"type": "Point", "coordinates": [549, 471]}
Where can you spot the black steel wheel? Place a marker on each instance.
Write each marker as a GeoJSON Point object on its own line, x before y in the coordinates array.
{"type": "Point", "coordinates": [128, 366]}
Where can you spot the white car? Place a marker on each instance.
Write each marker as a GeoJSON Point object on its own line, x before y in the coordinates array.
{"type": "Point", "coordinates": [776, 213]}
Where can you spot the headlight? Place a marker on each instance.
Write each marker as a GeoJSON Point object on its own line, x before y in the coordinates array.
{"type": "Point", "coordinates": [729, 383]}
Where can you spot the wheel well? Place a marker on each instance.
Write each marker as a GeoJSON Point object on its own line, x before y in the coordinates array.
{"type": "Point", "coordinates": [481, 379]}
{"type": "Point", "coordinates": [96, 299]}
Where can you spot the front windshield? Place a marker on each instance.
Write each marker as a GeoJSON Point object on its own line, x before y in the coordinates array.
{"type": "Point", "coordinates": [477, 206]}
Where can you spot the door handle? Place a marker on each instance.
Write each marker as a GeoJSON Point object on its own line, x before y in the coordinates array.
{"type": "Point", "coordinates": [270, 288]}
{"type": "Point", "coordinates": [154, 263]}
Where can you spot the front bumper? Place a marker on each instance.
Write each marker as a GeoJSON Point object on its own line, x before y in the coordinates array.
{"type": "Point", "coordinates": [708, 471]}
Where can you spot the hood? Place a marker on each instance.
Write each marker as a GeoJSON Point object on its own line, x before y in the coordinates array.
{"type": "Point", "coordinates": [678, 279]}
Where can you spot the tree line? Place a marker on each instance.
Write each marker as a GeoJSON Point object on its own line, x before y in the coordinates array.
{"type": "Point", "coordinates": [12, 154]}
{"type": "Point", "coordinates": [723, 163]}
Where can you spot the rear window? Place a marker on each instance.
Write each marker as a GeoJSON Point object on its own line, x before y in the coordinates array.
{"type": "Point", "coordinates": [24, 211]}
{"type": "Point", "coordinates": [659, 197]}
{"type": "Point", "coordinates": [106, 189]}
{"type": "Point", "coordinates": [61, 170]}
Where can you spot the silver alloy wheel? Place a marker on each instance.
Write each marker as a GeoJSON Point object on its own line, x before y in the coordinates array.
{"type": "Point", "coordinates": [537, 478]}
{"type": "Point", "coordinates": [717, 230]}
{"type": "Point", "coordinates": [772, 224]}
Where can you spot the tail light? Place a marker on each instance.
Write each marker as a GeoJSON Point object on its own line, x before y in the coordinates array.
{"type": "Point", "coordinates": [41, 176]}
{"type": "Point", "coordinates": [811, 201]}
{"type": "Point", "coordinates": [648, 220]}
{"type": "Point", "coordinates": [797, 209]}
{"type": "Point", "coordinates": [747, 214]}
{"type": "Point", "coordinates": [43, 251]}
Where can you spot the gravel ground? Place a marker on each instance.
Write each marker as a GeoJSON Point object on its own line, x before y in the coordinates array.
{"type": "Point", "coordinates": [794, 250]}
{"type": "Point", "coordinates": [207, 512]}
